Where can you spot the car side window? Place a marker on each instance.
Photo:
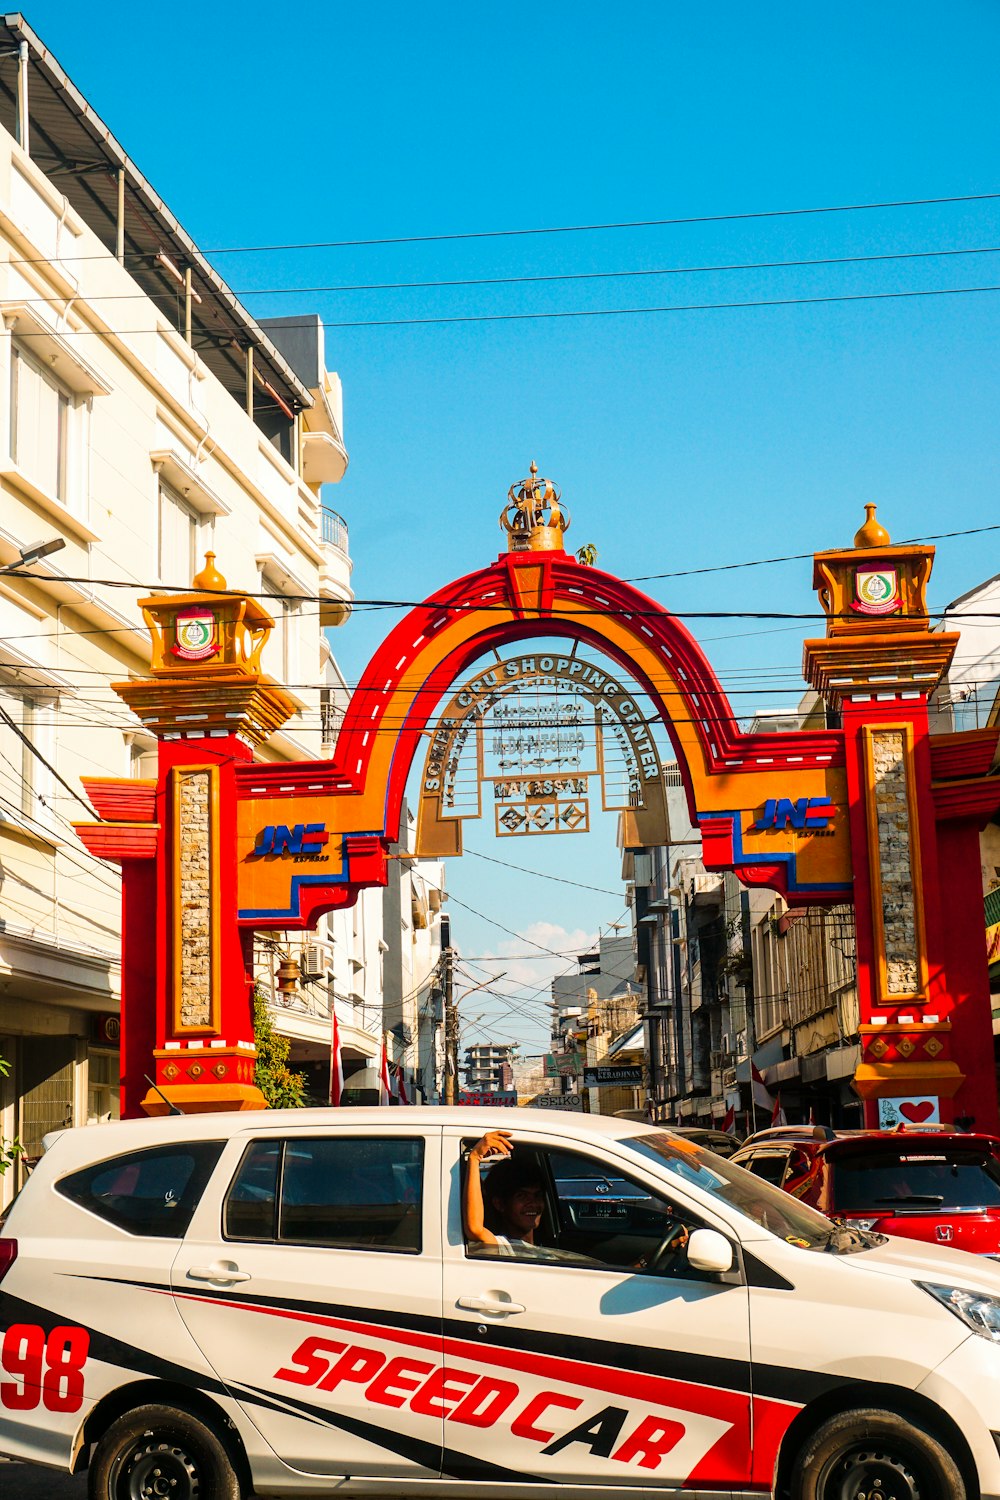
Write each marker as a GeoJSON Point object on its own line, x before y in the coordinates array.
{"type": "Point", "coordinates": [341, 1192]}
{"type": "Point", "coordinates": [593, 1216]}
{"type": "Point", "coordinates": [770, 1165]}
{"type": "Point", "coordinates": [152, 1193]}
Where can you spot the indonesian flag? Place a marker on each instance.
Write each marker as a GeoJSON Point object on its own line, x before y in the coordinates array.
{"type": "Point", "coordinates": [336, 1061]}
{"type": "Point", "coordinates": [400, 1085]}
{"type": "Point", "coordinates": [778, 1114]}
{"type": "Point", "coordinates": [385, 1082]}
{"type": "Point", "coordinates": [758, 1089]}
{"type": "Point", "coordinates": [729, 1120]}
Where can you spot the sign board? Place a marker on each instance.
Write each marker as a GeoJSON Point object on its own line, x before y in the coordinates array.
{"type": "Point", "coordinates": [611, 1077]}
{"type": "Point", "coordinates": [922, 1109]}
{"type": "Point", "coordinates": [556, 1101]}
{"type": "Point", "coordinates": [506, 1098]}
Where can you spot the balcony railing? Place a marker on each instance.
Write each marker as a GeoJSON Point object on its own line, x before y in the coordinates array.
{"type": "Point", "coordinates": [992, 905]}
{"type": "Point", "coordinates": [334, 532]}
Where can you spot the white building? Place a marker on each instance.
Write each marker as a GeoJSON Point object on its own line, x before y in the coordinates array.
{"type": "Point", "coordinates": [145, 418]}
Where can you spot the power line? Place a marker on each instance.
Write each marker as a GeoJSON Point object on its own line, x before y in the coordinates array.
{"type": "Point", "coordinates": [532, 280]}
{"type": "Point", "coordinates": [591, 312]}
{"type": "Point", "coordinates": [29, 745]}
{"type": "Point", "coordinates": [496, 234]}
{"type": "Point", "coordinates": [453, 900]}
{"type": "Point", "coordinates": [549, 229]}
{"type": "Point", "coordinates": [673, 307]}
{"type": "Point", "coordinates": [539, 874]}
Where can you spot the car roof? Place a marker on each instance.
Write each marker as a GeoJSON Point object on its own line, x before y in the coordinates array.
{"type": "Point", "coordinates": [923, 1142]}
{"type": "Point", "coordinates": [161, 1129]}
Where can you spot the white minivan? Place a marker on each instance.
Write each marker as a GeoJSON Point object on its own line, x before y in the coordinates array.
{"type": "Point", "coordinates": [285, 1303]}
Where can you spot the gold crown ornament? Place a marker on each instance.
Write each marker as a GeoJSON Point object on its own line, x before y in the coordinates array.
{"type": "Point", "coordinates": [533, 518]}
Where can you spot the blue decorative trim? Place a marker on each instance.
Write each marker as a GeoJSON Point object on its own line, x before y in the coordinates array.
{"type": "Point", "coordinates": [298, 881]}
{"type": "Point", "coordinates": [748, 861]}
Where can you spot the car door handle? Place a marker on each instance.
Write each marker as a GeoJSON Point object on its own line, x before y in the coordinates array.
{"type": "Point", "coordinates": [224, 1272]}
{"type": "Point", "coordinates": [491, 1304]}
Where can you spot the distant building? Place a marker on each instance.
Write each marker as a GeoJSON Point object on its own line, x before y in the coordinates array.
{"type": "Point", "coordinates": [488, 1067]}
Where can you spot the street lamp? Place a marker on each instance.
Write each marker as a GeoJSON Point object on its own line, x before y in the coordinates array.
{"type": "Point", "coordinates": [35, 554]}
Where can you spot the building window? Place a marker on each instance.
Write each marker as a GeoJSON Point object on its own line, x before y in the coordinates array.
{"type": "Point", "coordinates": [103, 1096]}
{"type": "Point", "coordinates": [283, 650]}
{"type": "Point", "coordinates": [40, 412]}
{"type": "Point", "coordinates": [25, 781]}
{"type": "Point", "coordinates": [143, 760]}
{"type": "Point", "coordinates": [180, 538]}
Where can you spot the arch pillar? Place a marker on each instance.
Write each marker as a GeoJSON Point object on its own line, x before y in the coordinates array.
{"type": "Point", "coordinates": [914, 821]}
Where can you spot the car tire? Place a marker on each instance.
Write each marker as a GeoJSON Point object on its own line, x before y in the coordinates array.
{"type": "Point", "coordinates": [868, 1451]}
{"type": "Point", "coordinates": [161, 1443]}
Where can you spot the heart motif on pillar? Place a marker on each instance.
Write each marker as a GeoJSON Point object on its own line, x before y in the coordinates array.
{"type": "Point", "coordinates": [916, 1113]}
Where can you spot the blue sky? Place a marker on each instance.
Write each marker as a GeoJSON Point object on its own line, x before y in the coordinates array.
{"type": "Point", "coordinates": [680, 440]}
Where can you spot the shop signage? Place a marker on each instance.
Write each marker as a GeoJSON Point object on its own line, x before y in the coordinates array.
{"type": "Point", "coordinates": [611, 1077]}
{"type": "Point", "coordinates": [303, 838]}
{"type": "Point", "coordinates": [805, 813]}
{"type": "Point", "coordinates": [106, 1029]}
{"type": "Point", "coordinates": [556, 1101]}
{"type": "Point", "coordinates": [501, 1098]}
{"type": "Point", "coordinates": [922, 1109]}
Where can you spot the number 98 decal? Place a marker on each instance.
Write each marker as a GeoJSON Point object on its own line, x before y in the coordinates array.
{"type": "Point", "coordinates": [45, 1370]}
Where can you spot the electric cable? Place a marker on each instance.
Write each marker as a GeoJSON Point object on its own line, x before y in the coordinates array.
{"type": "Point", "coordinates": [176, 298]}
{"type": "Point", "coordinates": [539, 874]}
{"type": "Point", "coordinates": [520, 233]}
{"type": "Point", "coordinates": [571, 313]}
{"type": "Point", "coordinates": [47, 764]}
{"type": "Point", "coordinates": [494, 234]}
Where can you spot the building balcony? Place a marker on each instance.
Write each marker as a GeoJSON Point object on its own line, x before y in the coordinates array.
{"type": "Point", "coordinates": [991, 913]}
{"type": "Point", "coordinates": [706, 888]}
{"type": "Point", "coordinates": [335, 568]}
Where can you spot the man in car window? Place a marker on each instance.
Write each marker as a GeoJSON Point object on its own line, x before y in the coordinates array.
{"type": "Point", "coordinates": [516, 1195]}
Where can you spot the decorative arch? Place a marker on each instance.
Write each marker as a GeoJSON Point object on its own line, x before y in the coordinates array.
{"type": "Point", "coordinates": [730, 777]}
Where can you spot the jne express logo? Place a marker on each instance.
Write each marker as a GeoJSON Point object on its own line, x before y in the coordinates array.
{"type": "Point", "coordinates": [303, 840]}
{"type": "Point", "coordinates": [805, 813]}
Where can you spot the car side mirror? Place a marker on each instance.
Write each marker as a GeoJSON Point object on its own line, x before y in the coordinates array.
{"type": "Point", "coordinates": [708, 1250]}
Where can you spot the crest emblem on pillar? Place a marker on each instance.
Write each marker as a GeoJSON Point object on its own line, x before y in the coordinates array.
{"type": "Point", "coordinates": [196, 634]}
{"type": "Point", "coordinates": [876, 591]}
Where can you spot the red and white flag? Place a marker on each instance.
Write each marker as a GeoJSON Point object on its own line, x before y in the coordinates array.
{"type": "Point", "coordinates": [729, 1120]}
{"type": "Point", "coordinates": [778, 1116]}
{"type": "Point", "coordinates": [758, 1088]}
{"type": "Point", "coordinates": [336, 1061]}
{"type": "Point", "coordinates": [400, 1085]}
{"type": "Point", "coordinates": [385, 1095]}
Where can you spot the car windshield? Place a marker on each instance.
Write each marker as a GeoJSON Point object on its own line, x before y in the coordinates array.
{"type": "Point", "coordinates": [914, 1180]}
{"type": "Point", "coordinates": [765, 1205]}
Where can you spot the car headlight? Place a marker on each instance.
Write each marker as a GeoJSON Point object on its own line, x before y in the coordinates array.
{"type": "Point", "coordinates": [861, 1222]}
{"type": "Point", "coordinates": [976, 1310]}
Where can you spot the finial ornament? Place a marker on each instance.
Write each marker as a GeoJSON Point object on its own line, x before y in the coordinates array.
{"type": "Point", "coordinates": [209, 578]}
{"type": "Point", "coordinates": [533, 518]}
{"type": "Point", "coordinates": [871, 533]}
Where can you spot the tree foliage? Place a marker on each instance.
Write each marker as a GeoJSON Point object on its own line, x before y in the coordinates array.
{"type": "Point", "coordinates": [282, 1089]}
{"type": "Point", "coordinates": [9, 1150]}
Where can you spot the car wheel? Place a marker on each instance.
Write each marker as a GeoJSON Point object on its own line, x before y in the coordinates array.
{"type": "Point", "coordinates": [157, 1452]}
{"type": "Point", "coordinates": [874, 1453]}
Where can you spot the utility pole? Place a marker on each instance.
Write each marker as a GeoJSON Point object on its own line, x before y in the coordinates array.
{"type": "Point", "coordinates": [451, 1020]}
{"type": "Point", "coordinates": [450, 1027]}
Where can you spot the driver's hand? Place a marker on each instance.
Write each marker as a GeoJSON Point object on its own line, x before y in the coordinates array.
{"type": "Point", "coordinates": [493, 1143]}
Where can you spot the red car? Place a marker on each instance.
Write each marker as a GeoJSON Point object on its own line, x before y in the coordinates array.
{"type": "Point", "coordinates": [943, 1186]}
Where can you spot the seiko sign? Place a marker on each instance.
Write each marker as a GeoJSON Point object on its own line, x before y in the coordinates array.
{"type": "Point", "coordinates": [804, 814]}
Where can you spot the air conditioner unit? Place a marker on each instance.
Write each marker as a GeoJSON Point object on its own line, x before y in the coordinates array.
{"type": "Point", "coordinates": [315, 962]}
{"type": "Point", "coordinates": [729, 1078]}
